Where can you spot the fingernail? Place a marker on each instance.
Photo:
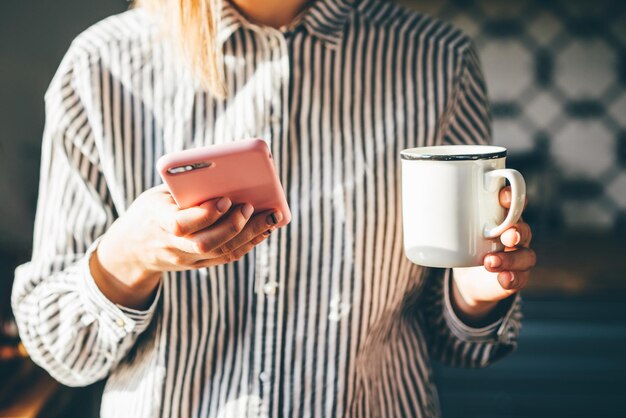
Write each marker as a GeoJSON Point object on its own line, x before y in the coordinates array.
{"type": "Point", "coordinates": [223, 204]}
{"type": "Point", "coordinates": [505, 276]}
{"type": "Point", "coordinates": [511, 277]}
{"type": "Point", "coordinates": [494, 261]}
{"type": "Point", "coordinates": [518, 237]}
{"type": "Point", "coordinates": [246, 210]}
{"type": "Point", "coordinates": [267, 233]}
{"type": "Point", "coordinates": [273, 218]}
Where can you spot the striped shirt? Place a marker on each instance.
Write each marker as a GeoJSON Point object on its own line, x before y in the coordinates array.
{"type": "Point", "coordinates": [325, 318]}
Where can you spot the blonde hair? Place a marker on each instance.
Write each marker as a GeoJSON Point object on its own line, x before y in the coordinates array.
{"type": "Point", "coordinates": [192, 25]}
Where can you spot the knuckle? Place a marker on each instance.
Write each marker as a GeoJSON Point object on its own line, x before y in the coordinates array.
{"type": "Point", "coordinates": [201, 247]}
{"type": "Point", "coordinates": [237, 255]}
{"type": "Point", "coordinates": [227, 247]}
{"type": "Point", "coordinates": [236, 226]}
{"type": "Point", "coordinates": [215, 252]}
{"type": "Point", "coordinates": [206, 217]}
{"type": "Point", "coordinates": [222, 250]}
{"type": "Point", "coordinates": [176, 228]}
{"type": "Point", "coordinates": [263, 228]}
{"type": "Point", "coordinates": [154, 257]}
{"type": "Point", "coordinates": [177, 259]}
{"type": "Point", "coordinates": [228, 257]}
{"type": "Point", "coordinates": [507, 260]}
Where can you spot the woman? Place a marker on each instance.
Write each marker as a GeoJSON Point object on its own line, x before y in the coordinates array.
{"type": "Point", "coordinates": [201, 312]}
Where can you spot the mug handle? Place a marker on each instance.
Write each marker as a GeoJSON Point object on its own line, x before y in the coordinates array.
{"type": "Point", "coordinates": [518, 198]}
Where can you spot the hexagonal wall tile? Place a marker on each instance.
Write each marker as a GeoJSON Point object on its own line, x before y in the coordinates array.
{"type": "Point", "coordinates": [543, 109]}
{"type": "Point", "coordinates": [617, 110]}
{"type": "Point", "coordinates": [588, 215]}
{"type": "Point", "coordinates": [544, 27]}
{"type": "Point", "coordinates": [584, 148]}
{"type": "Point", "coordinates": [503, 9]}
{"type": "Point", "coordinates": [510, 134]}
{"type": "Point", "coordinates": [583, 8]}
{"type": "Point", "coordinates": [617, 28]}
{"type": "Point", "coordinates": [617, 190]}
{"type": "Point", "coordinates": [586, 68]}
{"type": "Point", "coordinates": [508, 68]}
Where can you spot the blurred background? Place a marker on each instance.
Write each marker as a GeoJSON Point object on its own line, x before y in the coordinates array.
{"type": "Point", "coordinates": [556, 72]}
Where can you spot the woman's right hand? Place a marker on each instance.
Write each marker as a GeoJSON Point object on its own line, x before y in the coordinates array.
{"type": "Point", "coordinates": [154, 235]}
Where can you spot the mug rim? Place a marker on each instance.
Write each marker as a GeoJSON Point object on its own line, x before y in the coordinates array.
{"type": "Point", "coordinates": [454, 153]}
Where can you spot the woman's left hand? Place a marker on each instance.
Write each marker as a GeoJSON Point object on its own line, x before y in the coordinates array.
{"type": "Point", "coordinates": [477, 290]}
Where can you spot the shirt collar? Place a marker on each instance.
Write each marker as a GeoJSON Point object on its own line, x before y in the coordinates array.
{"type": "Point", "coordinates": [324, 19]}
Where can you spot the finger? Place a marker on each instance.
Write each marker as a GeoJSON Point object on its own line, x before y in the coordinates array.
{"type": "Point", "coordinates": [161, 188]}
{"type": "Point", "coordinates": [193, 219]}
{"type": "Point", "coordinates": [505, 197]}
{"type": "Point", "coordinates": [257, 225]}
{"type": "Point", "coordinates": [158, 189]}
{"type": "Point", "coordinates": [207, 240]}
{"type": "Point", "coordinates": [197, 218]}
{"type": "Point", "coordinates": [513, 281]}
{"type": "Point", "coordinates": [234, 255]}
{"type": "Point", "coordinates": [519, 235]}
{"type": "Point", "coordinates": [522, 259]}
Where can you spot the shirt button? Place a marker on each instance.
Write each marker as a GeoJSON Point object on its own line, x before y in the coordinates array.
{"type": "Point", "coordinates": [120, 322]}
{"type": "Point", "coordinates": [273, 43]}
{"type": "Point", "coordinates": [275, 119]}
{"type": "Point", "coordinates": [269, 288]}
{"type": "Point", "coordinates": [263, 377]}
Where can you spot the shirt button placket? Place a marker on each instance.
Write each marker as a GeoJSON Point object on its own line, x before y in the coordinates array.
{"type": "Point", "coordinates": [270, 288]}
{"type": "Point", "coordinates": [274, 43]}
{"type": "Point", "coordinates": [268, 285]}
{"type": "Point", "coordinates": [266, 290]}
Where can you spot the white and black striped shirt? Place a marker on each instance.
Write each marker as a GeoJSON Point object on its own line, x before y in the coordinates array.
{"type": "Point", "coordinates": [326, 318]}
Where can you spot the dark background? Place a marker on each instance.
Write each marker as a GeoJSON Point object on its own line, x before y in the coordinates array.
{"type": "Point", "coordinates": [556, 72]}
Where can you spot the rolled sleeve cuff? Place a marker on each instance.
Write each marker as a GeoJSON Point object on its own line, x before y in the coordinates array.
{"type": "Point", "coordinates": [119, 319]}
{"type": "Point", "coordinates": [504, 330]}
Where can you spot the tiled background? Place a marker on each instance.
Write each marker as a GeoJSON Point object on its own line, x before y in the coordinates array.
{"type": "Point", "coordinates": [556, 72]}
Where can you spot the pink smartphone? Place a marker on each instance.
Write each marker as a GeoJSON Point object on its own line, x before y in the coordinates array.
{"type": "Point", "coordinates": [241, 170]}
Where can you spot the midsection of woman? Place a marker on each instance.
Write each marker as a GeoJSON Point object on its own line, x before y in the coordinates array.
{"type": "Point", "coordinates": [326, 317]}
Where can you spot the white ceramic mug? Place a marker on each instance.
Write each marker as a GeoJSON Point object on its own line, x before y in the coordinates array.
{"type": "Point", "coordinates": [450, 206]}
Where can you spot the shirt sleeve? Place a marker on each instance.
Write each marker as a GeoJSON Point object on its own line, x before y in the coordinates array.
{"type": "Point", "coordinates": [468, 117]}
{"type": "Point", "coordinates": [66, 324]}
{"type": "Point", "coordinates": [452, 342]}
